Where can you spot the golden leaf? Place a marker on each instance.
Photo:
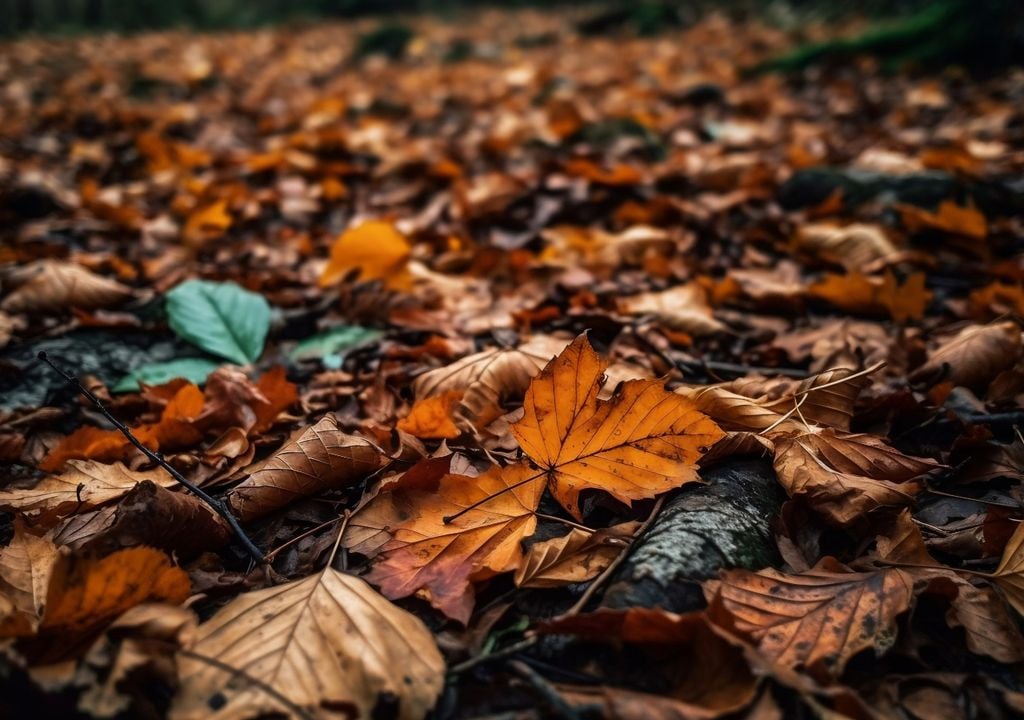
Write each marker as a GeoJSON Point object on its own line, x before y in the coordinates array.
{"type": "Point", "coordinates": [643, 441]}
{"type": "Point", "coordinates": [376, 248]}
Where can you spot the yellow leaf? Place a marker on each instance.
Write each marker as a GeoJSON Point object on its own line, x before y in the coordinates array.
{"type": "Point", "coordinates": [431, 417]}
{"type": "Point", "coordinates": [376, 248]}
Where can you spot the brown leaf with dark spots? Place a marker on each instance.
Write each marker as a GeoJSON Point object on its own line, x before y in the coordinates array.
{"type": "Point", "coordinates": [816, 620]}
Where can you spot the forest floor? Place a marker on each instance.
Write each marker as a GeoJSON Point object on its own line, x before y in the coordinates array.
{"type": "Point", "coordinates": [489, 368]}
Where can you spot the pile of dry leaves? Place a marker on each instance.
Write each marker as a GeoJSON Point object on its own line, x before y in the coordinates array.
{"type": "Point", "coordinates": [438, 337]}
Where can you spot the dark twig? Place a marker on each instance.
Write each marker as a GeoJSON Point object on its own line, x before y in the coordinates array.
{"type": "Point", "coordinates": [218, 506]}
{"type": "Point", "coordinates": [549, 696]}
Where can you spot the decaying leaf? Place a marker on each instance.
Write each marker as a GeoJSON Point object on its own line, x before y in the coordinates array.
{"type": "Point", "coordinates": [51, 285]}
{"type": "Point", "coordinates": [817, 620]}
{"type": "Point", "coordinates": [973, 356]}
{"type": "Point", "coordinates": [643, 441]}
{"type": "Point", "coordinates": [576, 557]}
{"type": "Point", "coordinates": [26, 565]}
{"type": "Point", "coordinates": [1009, 576]}
{"type": "Point", "coordinates": [845, 476]}
{"type": "Point", "coordinates": [326, 644]}
{"type": "Point", "coordinates": [442, 559]}
{"type": "Point", "coordinates": [321, 458]}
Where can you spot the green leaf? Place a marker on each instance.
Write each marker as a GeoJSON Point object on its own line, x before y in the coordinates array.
{"type": "Point", "coordinates": [331, 345]}
{"type": "Point", "coordinates": [221, 318]}
{"type": "Point", "coordinates": [194, 370]}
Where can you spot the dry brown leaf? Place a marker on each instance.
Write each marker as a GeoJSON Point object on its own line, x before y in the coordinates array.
{"type": "Point", "coordinates": [1009, 576]}
{"type": "Point", "coordinates": [326, 644]}
{"type": "Point", "coordinates": [643, 441]}
{"type": "Point", "coordinates": [26, 565]}
{"type": "Point", "coordinates": [734, 411]}
{"type": "Point", "coordinates": [53, 285]}
{"type": "Point", "coordinates": [816, 620]}
{"type": "Point", "coordinates": [576, 557]}
{"type": "Point", "coordinates": [973, 356]}
{"type": "Point", "coordinates": [683, 308]}
{"type": "Point", "coordinates": [845, 476]}
{"type": "Point", "coordinates": [83, 486]}
{"type": "Point", "coordinates": [489, 378]}
{"type": "Point", "coordinates": [830, 406]}
{"type": "Point", "coordinates": [852, 246]}
{"type": "Point", "coordinates": [321, 458]}
{"type": "Point", "coordinates": [442, 559]}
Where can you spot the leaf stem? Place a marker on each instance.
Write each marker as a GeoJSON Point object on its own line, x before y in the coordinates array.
{"type": "Point", "coordinates": [448, 519]}
{"type": "Point", "coordinates": [218, 506]}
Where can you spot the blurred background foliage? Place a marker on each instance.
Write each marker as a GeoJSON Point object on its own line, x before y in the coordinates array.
{"type": "Point", "coordinates": [645, 16]}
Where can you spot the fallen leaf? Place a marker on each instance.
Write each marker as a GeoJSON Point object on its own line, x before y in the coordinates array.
{"type": "Point", "coordinates": [26, 565]}
{"type": "Point", "coordinates": [83, 486]}
{"type": "Point", "coordinates": [683, 308]}
{"type": "Point", "coordinates": [432, 417]}
{"type": "Point", "coordinates": [376, 248]}
{"type": "Point", "coordinates": [846, 476]}
{"type": "Point", "coordinates": [220, 318]}
{"type": "Point", "coordinates": [206, 223]}
{"type": "Point", "coordinates": [52, 285]}
{"type": "Point", "coordinates": [85, 593]}
{"type": "Point", "coordinates": [948, 217]}
{"type": "Point", "coordinates": [322, 457]}
{"type": "Point", "coordinates": [816, 620]}
{"type": "Point", "coordinates": [852, 246]}
{"type": "Point", "coordinates": [858, 293]}
{"type": "Point", "coordinates": [324, 644]}
{"type": "Point", "coordinates": [576, 557]}
{"type": "Point", "coordinates": [1009, 576]}
{"type": "Point", "coordinates": [441, 559]}
{"type": "Point", "coordinates": [974, 356]}
{"type": "Point", "coordinates": [489, 378]}
{"type": "Point", "coordinates": [643, 441]}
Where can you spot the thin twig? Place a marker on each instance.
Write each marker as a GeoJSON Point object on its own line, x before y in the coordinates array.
{"type": "Point", "coordinates": [570, 523]}
{"type": "Point", "coordinates": [216, 505]}
{"type": "Point", "coordinates": [273, 553]}
{"type": "Point", "coordinates": [556, 704]}
{"type": "Point", "coordinates": [601, 579]}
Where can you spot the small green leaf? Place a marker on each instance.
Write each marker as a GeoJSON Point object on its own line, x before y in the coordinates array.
{"type": "Point", "coordinates": [221, 318]}
{"type": "Point", "coordinates": [331, 345]}
{"type": "Point", "coordinates": [192, 369]}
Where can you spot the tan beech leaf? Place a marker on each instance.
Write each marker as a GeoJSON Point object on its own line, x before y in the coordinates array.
{"type": "Point", "coordinates": [974, 356]}
{"type": "Point", "coordinates": [50, 285]}
{"type": "Point", "coordinates": [441, 559]}
{"type": "Point", "coordinates": [734, 411]}
{"type": "Point", "coordinates": [815, 620]}
{"type": "Point", "coordinates": [576, 557]}
{"type": "Point", "coordinates": [643, 441]}
{"type": "Point", "coordinates": [844, 476]}
{"type": "Point", "coordinates": [321, 458]}
{"type": "Point", "coordinates": [83, 486]}
{"type": "Point", "coordinates": [25, 568]}
{"type": "Point", "coordinates": [489, 378]}
{"type": "Point", "coordinates": [683, 308]}
{"type": "Point", "coordinates": [1009, 576]}
{"type": "Point", "coordinates": [852, 246]}
{"type": "Point", "coordinates": [324, 646]}
{"type": "Point", "coordinates": [830, 406]}
{"type": "Point", "coordinates": [989, 626]}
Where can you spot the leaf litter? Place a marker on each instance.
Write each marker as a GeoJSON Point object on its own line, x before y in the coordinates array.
{"type": "Point", "coordinates": [453, 333]}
